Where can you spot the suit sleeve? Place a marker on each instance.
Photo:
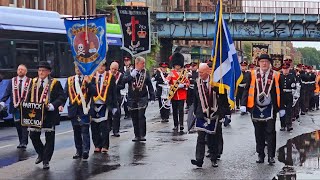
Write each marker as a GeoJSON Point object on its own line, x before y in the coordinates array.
{"type": "Point", "coordinates": [59, 98]}
{"type": "Point", "coordinates": [196, 98]}
{"type": "Point", "coordinates": [7, 93]}
{"type": "Point", "coordinates": [223, 104]}
{"type": "Point", "coordinates": [113, 93]}
{"type": "Point", "coordinates": [245, 94]}
{"type": "Point", "coordinates": [150, 88]}
{"type": "Point", "coordinates": [121, 83]}
{"type": "Point", "coordinates": [127, 77]}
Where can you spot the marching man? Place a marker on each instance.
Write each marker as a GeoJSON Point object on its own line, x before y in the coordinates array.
{"type": "Point", "coordinates": [17, 90]}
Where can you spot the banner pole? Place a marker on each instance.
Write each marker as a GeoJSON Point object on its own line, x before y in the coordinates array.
{"type": "Point", "coordinates": [86, 19]}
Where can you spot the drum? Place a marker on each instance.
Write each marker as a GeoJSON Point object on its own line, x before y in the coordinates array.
{"type": "Point", "coordinates": [165, 91]}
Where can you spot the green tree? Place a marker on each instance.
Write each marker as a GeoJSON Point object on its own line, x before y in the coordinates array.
{"type": "Point", "coordinates": [310, 56]}
{"type": "Point", "coordinates": [247, 51]}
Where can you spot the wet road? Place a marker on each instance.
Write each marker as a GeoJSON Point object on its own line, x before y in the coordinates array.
{"type": "Point", "coordinates": [165, 154]}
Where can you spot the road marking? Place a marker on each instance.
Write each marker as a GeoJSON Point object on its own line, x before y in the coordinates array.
{"type": "Point", "coordinates": [6, 146]}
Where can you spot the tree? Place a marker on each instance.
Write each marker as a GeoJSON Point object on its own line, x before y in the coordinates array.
{"type": "Point", "coordinates": [310, 56]}
{"type": "Point", "coordinates": [247, 51]}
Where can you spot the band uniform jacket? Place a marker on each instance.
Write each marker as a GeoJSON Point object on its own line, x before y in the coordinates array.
{"type": "Point", "coordinates": [76, 109]}
{"type": "Point", "coordinates": [286, 82]}
{"type": "Point", "coordinates": [159, 81]}
{"type": "Point", "coordinates": [139, 99]}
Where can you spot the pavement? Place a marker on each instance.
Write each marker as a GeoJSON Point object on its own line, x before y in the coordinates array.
{"type": "Point", "coordinates": [165, 154]}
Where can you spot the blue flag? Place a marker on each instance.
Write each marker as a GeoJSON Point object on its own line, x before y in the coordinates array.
{"type": "Point", "coordinates": [87, 39]}
{"type": "Point", "coordinates": [226, 71]}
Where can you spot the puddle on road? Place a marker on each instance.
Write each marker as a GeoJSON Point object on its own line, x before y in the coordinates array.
{"type": "Point", "coordinates": [301, 156]}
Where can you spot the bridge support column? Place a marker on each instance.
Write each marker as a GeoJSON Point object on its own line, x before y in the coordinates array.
{"type": "Point", "coordinates": [166, 49]}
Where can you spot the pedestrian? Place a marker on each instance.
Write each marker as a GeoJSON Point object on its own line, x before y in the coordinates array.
{"type": "Point", "coordinates": [80, 90]}
{"type": "Point", "coordinates": [140, 89]}
{"type": "Point", "coordinates": [179, 82]}
{"type": "Point", "coordinates": [245, 74]}
{"type": "Point", "coordinates": [124, 92]}
{"type": "Point", "coordinates": [193, 75]}
{"type": "Point", "coordinates": [262, 98]}
{"type": "Point", "coordinates": [106, 99]}
{"type": "Point", "coordinates": [210, 108]}
{"type": "Point", "coordinates": [114, 119]}
{"type": "Point", "coordinates": [17, 91]}
{"type": "Point", "coordinates": [44, 89]}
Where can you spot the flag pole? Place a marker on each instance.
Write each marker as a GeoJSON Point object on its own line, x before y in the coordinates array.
{"type": "Point", "coordinates": [221, 88]}
{"type": "Point", "coordinates": [86, 19]}
{"type": "Point", "coordinates": [214, 60]}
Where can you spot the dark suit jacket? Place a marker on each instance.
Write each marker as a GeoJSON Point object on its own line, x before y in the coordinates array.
{"type": "Point", "coordinates": [120, 86]}
{"type": "Point", "coordinates": [159, 80]}
{"type": "Point", "coordinates": [75, 109]}
{"type": "Point", "coordinates": [8, 94]}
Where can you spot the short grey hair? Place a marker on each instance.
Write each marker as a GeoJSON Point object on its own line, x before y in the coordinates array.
{"type": "Point", "coordinates": [139, 59]}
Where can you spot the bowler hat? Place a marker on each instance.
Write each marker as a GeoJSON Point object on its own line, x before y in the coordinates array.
{"type": "Point", "coordinates": [264, 56]}
{"type": "Point", "coordinates": [44, 64]}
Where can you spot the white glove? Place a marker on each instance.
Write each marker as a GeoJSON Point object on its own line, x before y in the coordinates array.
{"type": "Point", "coordinates": [282, 112]}
{"type": "Point", "coordinates": [2, 105]}
{"type": "Point", "coordinates": [243, 109]}
{"type": "Point", "coordinates": [114, 110]}
{"type": "Point", "coordinates": [153, 79]}
{"type": "Point", "coordinates": [50, 107]}
{"type": "Point", "coordinates": [181, 86]}
{"type": "Point", "coordinates": [166, 82]}
{"type": "Point", "coordinates": [134, 73]}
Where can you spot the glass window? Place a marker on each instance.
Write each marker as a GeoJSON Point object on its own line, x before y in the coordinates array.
{"type": "Point", "coordinates": [6, 60]}
{"type": "Point", "coordinates": [28, 53]}
{"type": "Point", "coordinates": [65, 60]}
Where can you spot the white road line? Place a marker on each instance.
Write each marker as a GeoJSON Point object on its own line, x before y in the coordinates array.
{"type": "Point", "coordinates": [6, 146]}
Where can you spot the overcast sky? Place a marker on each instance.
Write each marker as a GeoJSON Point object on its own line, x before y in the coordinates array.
{"type": "Point", "coordinates": [306, 44]}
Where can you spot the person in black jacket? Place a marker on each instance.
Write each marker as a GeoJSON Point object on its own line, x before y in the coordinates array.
{"type": "Point", "coordinates": [210, 108]}
{"type": "Point", "coordinates": [46, 89]}
{"type": "Point", "coordinates": [80, 90]}
{"type": "Point", "coordinates": [140, 89]}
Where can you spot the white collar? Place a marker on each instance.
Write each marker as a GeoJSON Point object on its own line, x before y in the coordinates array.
{"type": "Point", "coordinates": [266, 73]}
{"type": "Point", "coordinates": [207, 80]}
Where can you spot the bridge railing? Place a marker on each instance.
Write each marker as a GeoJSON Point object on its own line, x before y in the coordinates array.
{"type": "Point", "coordinates": [251, 6]}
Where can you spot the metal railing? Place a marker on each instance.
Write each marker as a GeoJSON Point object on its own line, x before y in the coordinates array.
{"type": "Point", "coordinates": [251, 6]}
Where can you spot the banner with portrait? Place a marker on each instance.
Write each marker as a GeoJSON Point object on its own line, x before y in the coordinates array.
{"type": "Point", "coordinates": [135, 27]}
{"type": "Point", "coordinates": [277, 60]}
{"type": "Point", "coordinates": [257, 50]}
{"type": "Point", "coordinates": [88, 42]}
{"type": "Point", "coordinates": [32, 114]}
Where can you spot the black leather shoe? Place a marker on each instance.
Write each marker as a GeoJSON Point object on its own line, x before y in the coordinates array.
{"type": "Point", "coordinates": [271, 160]}
{"type": "Point", "coordinates": [181, 128]}
{"type": "Point", "coordinates": [282, 129]}
{"type": "Point", "coordinates": [196, 163]}
{"type": "Point", "coordinates": [19, 146]}
{"type": "Point", "coordinates": [302, 113]}
{"type": "Point", "coordinates": [38, 160]}
{"type": "Point", "coordinates": [214, 163]}
{"type": "Point", "coordinates": [46, 166]}
{"type": "Point", "coordinates": [289, 129]}
{"type": "Point", "coordinates": [175, 128]}
{"type": "Point", "coordinates": [142, 139]}
{"type": "Point", "coordinates": [85, 156]}
{"type": "Point", "coordinates": [260, 160]}
{"type": "Point", "coordinates": [136, 139]}
{"type": "Point", "coordinates": [116, 135]}
{"type": "Point", "coordinates": [76, 156]}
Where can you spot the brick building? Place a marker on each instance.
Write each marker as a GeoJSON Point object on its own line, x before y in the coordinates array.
{"type": "Point", "coordinates": [64, 7]}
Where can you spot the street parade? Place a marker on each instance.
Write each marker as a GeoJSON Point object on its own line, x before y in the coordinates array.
{"type": "Point", "coordinates": [193, 117]}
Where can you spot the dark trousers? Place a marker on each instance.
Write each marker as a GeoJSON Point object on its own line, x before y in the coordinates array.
{"type": "Point", "coordinates": [177, 111]}
{"type": "Point", "coordinates": [214, 143]}
{"type": "Point", "coordinates": [296, 109]}
{"type": "Point", "coordinates": [45, 151]}
{"type": "Point", "coordinates": [265, 132]}
{"type": "Point", "coordinates": [305, 98]}
{"type": "Point", "coordinates": [125, 107]}
{"type": "Point", "coordinates": [81, 138]}
{"type": "Point", "coordinates": [286, 120]}
{"type": "Point", "coordinates": [23, 133]}
{"type": "Point", "coordinates": [114, 120]}
{"type": "Point", "coordinates": [163, 111]}
{"type": "Point", "coordinates": [190, 97]}
{"type": "Point", "coordinates": [139, 122]}
{"type": "Point", "coordinates": [100, 134]}
{"type": "Point", "coordinates": [239, 96]}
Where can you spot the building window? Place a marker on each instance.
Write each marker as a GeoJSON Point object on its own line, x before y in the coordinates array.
{"type": "Point", "coordinates": [13, 3]}
{"type": "Point", "coordinates": [28, 53]}
{"type": "Point", "coordinates": [6, 60]}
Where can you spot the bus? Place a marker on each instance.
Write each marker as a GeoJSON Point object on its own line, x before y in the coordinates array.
{"type": "Point", "coordinates": [28, 36]}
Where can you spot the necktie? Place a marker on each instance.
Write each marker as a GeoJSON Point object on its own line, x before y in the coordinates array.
{"type": "Point", "coordinates": [206, 88]}
{"type": "Point", "coordinates": [100, 79]}
{"type": "Point", "coordinates": [80, 80]}
{"type": "Point", "coordinates": [20, 87]}
{"type": "Point", "coordinates": [264, 79]}
{"type": "Point", "coordinates": [40, 90]}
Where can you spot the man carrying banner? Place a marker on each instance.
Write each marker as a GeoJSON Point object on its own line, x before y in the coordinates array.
{"type": "Point", "coordinates": [178, 79]}
{"type": "Point", "coordinates": [124, 92]}
{"type": "Point", "coordinates": [105, 99]}
{"type": "Point", "coordinates": [262, 98]}
{"type": "Point", "coordinates": [17, 90]}
{"type": "Point", "coordinates": [49, 91]}
{"type": "Point", "coordinates": [209, 107]}
{"type": "Point", "coordinates": [114, 119]}
{"type": "Point", "coordinates": [80, 90]}
{"type": "Point", "coordinates": [140, 87]}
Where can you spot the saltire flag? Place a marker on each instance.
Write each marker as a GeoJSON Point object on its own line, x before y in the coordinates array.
{"type": "Point", "coordinates": [88, 42]}
{"type": "Point", "coordinates": [226, 73]}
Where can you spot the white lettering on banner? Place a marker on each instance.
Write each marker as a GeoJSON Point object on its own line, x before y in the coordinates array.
{"type": "Point", "coordinates": [32, 122]}
{"type": "Point", "coordinates": [31, 105]}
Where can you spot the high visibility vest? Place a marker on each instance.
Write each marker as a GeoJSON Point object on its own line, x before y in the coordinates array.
{"type": "Point", "coordinates": [317, 85]}
{"type": "Point", "coordinates": [251, 100]}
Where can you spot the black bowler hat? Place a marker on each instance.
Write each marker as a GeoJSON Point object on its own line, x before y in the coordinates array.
{"type": "Point", "coordinates": [265, 56]}
{"type": "Point", "coordinates": [44, 64]}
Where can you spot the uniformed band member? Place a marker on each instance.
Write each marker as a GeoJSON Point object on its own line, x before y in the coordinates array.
{"type": "Point", "coordinates": [178, 79]}
{"type": "Point", "coordinates": [246, 74]}
{"type": "Point", "coordinates": [105, 100]}
{"type": "Point", "coordinates": [160, 77]}
{"type": "Point", "coordinates": [17, 91]}
{"type": "Point", "coordinates": [312, 87]}
{"type": "Point", "coordinates": [114, 120]}
{"type": "Point", "coordinates": [140, 87]}
{"type": "Point", "coordinates": [262, 98]}
{"type": "Point", "coordinates": [288, 87]}
{"type": "Point", "coordinates": [252, 66]}
{"type": "Point", "coordinates": [297, 101]}
{"type": "Point", "coordinates": [124, 92]}
{"type": "Point", "coordinates": [193, 75]}
{"type": "Point", "coordinates": [305, 94]}
{"type": "Point", "coordinates": [80, 90]}
{"type": "Point", "coordinates": [45, 89]}
{"type": "Point", "coordinates": [210, 108]}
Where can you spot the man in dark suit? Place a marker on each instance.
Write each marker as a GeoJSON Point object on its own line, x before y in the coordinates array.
{"type": "Point", "coordinates": [45, 89]}
{"type": "Point", "coordinates": [114, 120]}
{"type": "Point", "coordinates": [17, 94]}
{"type": "Point", "coordinates": [209, 107]}
{"type": "Point", "coordinates": [80, 90]}
{"type": "Point", "coordinates": [140, 88]}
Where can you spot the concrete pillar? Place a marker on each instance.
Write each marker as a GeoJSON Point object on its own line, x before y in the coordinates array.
{"type": "Point", "coordinates": [166, 49]}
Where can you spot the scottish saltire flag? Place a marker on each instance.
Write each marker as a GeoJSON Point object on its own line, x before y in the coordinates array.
{"type": "Point", "coordinates": [226, 72]}
{"type": "Point", "coordinates": [88, 42]}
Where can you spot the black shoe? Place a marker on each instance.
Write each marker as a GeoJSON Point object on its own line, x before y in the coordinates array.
{"type": "Point", "coordinates": [76, 156]}
{"type": "Point", "coordinates": [23, 146]}
{"type": "Point", "coordinates": [196, 163]}
{"type": "Point", "coordinates": [282, 129]}
{"type": "Point", "coordinates": [260, 160]}
{"type": "Point", "coordinates": [126, 117]}
{"type": "Point", "coordinates": [226, 122]}
{"type": "Point", "coordinates": [38, 160]}
{"type": "Point", "coordinates": [289, 129]}
{"type": "Point", "coordinates": [46, 166]}
{"type": "Point", "coordinates": [142, 139]}
{"type": "Point", "coordinates": [317, 108]}
{"type": "Point", "coordinates": [136, 139]}
{"type": "Point", "coordinates": [214, 163]}
{"type": "Point", "coordinates": [116, 135]}
{"type": "Point", "coordinates": [19, 146]}
{"type": "Point", "coordinates": [175, 128]}
{"type": "Point", "coordinates": [271, 160]}
{"type": "Point", "coordinates": [181, 128]}
{"type": "Point", "coordinates": [85, 156]}
{"type": "Point", "coordinates": [302, 113]}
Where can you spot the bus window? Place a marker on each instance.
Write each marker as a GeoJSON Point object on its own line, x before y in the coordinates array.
{"type": "Point", "coordinates": [6, 61]}
{"type": "Point", "coordinates": [65, 60]}
{"type": "Point", "coordinates": [28, 53]}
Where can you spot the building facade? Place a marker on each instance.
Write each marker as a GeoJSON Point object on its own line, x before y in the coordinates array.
{"type": "Point", "coordinates": [64, 7]}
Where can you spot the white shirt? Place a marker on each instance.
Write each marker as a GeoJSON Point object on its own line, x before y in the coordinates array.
{"type": "Point", "coordinates": [24, 78]}
{"type": "Point", "coordinates": [101, 84]}
{"type": "Point", "coordinates": [266, 74]}
{"type": "Point", "coordinates": [45, 82]}
{"type": "Point", "coordinates": [77, 77]}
